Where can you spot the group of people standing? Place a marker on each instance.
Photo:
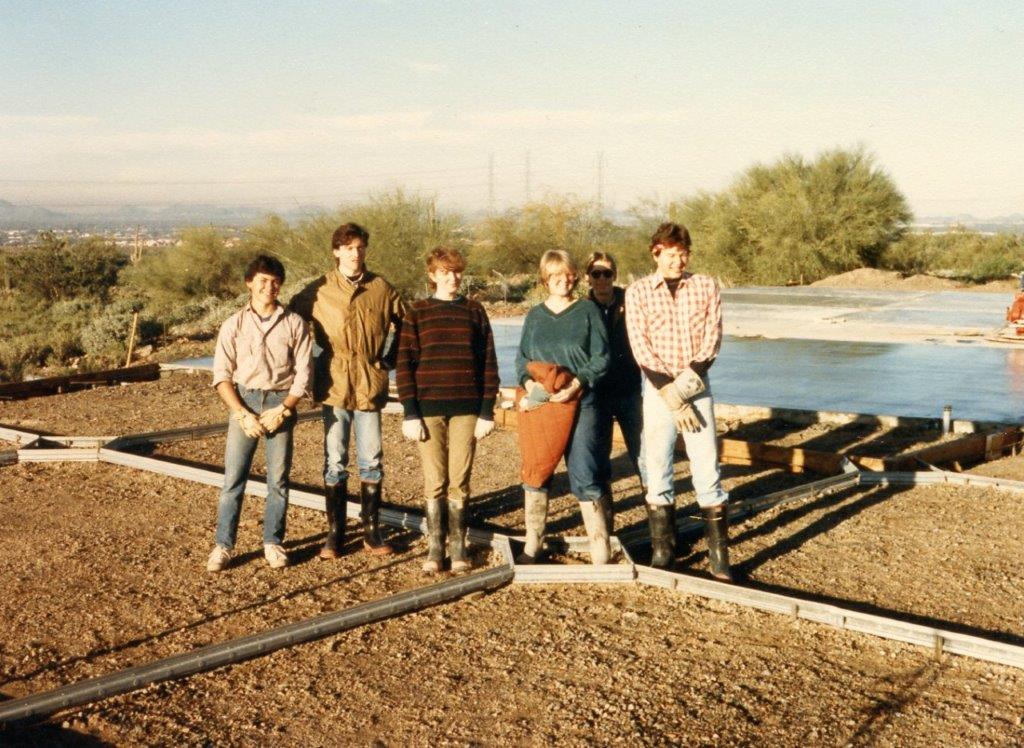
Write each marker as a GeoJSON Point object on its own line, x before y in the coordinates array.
{"type": "Point", "coordinates": [638, 356]}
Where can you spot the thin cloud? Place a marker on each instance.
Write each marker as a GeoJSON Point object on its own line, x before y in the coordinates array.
{"type": "Point", "coordinates": [46, 120]}
{"type": "Point", "coordinates": [370, 121]}
{"type": "Point", "coordinates": [426, 68]}
{"type": "Point", "coordinates": [532, 119]}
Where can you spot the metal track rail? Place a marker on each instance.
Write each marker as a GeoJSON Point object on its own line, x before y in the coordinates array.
{"type": "Point", "coordinates": [214, 656]}
{"type": "Point", "coordinates": [188, 433]}
{"type": "Point", "coordinates": [940, 640]}
{"type": "Point", "coordinates": [937, 477]}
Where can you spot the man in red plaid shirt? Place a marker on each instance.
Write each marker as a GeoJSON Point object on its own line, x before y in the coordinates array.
{"type": "Point", "coordinates": [674, 320]}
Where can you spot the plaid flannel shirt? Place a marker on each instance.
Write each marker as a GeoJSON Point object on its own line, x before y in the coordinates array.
{"type": "Point", "coordinates": [668, 334]}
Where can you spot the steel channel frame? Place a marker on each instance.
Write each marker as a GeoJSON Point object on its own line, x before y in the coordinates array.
{"type": "Point", "coordinates": [938, 477]}
{"type": "Point", "coordinates": [940, 640]}
{"type": "Point", "coordinates": [187, 433]}
{"type": "Point", "coordinates": [256, 645]}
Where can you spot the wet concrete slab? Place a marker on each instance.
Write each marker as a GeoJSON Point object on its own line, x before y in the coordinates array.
{"type": "Point", "coordinates": [980, 383]}
{"type": "Point", "coordinates": [858, 315]}
{"type": "Point", "coordinates": [875, 375]}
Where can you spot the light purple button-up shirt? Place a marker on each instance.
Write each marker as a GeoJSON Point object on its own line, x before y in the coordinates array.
{"type": "Point", "coordinates": [257, 355]}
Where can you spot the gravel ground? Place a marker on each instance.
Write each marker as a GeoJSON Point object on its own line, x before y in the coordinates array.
{"type": "Point", "coordinates": [103, 569]}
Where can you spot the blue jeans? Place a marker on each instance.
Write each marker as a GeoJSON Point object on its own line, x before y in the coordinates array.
{"type": "Point", "coordinates": [659, 444]}
{"type": "Point", "coordinates": [582, 453]}
{"type": "Point", "coordinates": [238, 454]}
{"type": "Point", "coordinates": [627, 409]}
{"type": "Point", "coordinates": [338, 424]}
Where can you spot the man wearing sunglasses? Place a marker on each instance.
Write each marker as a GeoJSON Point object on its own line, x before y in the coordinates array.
{"type": "Point", "coordinates": [618, 392]}
{"type": "Point", "coordinates": [674, 320]}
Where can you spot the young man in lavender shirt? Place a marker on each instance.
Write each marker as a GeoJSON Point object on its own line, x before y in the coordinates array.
{"type": "Point", "coordinates": [261, 369]}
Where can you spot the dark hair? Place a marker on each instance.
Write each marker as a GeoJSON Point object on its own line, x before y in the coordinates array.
{"type": "Point", "coordinates": [265, 264]}
{"type": "Point", "coordinates": [346, 233]}
{"type": "Point", "coordinates": [601, 257]}
{"type": "Point", "coordinates": [671, 235]}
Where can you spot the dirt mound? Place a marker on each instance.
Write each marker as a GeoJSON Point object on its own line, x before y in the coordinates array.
{"type": "Point", "coordinates": [890, 280]}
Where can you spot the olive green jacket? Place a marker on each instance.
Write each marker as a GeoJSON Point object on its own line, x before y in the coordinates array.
{"type": "Point", "coordinates": [351, 322]}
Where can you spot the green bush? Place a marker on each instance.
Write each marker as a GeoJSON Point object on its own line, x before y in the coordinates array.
{"type": "Point", "coordinates": [201, 264]}
{"type": "Point", "coordinates": [52, 270]}
{"type": "Point", "coordinates": [796, 220]}
{"type": "Point", "coordinates": [107, 333]}
{"type": "Point", "coordinates": [961, 254]}
{"type": "Point", "coordinates": [513, 242]}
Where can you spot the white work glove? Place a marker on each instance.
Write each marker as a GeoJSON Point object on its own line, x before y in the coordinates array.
{"type": "Point", "coordinates": [686, 418]}
{"type": "Point", "coordinates": [567, 393]}
{"type": "Point", "coordinates": [249, 422]}
{"type": "Point", "coordinates": [414, 430]}
{"type": "Point", "coordinates": [484, 426]}
{"type": "Point", "coordinates": [272, 419]}
{"type": "Point", "coordinates": [689, 384]}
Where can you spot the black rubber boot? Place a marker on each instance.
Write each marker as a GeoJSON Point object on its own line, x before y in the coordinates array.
{"type": "Point", "coordinates": [435, 536]}
{"type": "Point", "coordinates": [457, 536]}
{"type": "Point", "coordinates": [335, 500]}
{"type": "Point", "coordinates": [662, 518]}
{"type": "Point", "coordinates": [369, 513]}
{"type": "Point", "coordinates": [716, 530]}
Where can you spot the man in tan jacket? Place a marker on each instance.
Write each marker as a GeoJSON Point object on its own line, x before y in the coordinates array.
{"type": "Point", "coordinates": [352, 311]}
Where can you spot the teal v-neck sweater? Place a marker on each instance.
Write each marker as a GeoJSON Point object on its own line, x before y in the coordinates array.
{"type": "Point", "coordinates": [575, 338]}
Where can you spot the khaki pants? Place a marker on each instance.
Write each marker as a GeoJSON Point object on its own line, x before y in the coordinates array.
{"type": "Point", "coordinates": [447, 456]}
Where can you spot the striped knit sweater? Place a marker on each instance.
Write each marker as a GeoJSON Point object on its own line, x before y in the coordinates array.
{"type": "Point", "coordinates": [446, 360]}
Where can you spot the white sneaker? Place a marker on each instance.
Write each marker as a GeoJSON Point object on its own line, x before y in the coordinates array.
{"type": "Point", "coordinates": [219, 558]}
{"type": "Point", "coordinates": [275, 556]}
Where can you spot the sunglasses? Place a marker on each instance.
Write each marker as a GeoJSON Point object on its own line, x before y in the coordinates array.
{"type": "Point", "coordinates": [602, 273]}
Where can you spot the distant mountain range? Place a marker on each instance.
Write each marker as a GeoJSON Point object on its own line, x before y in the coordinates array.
{"type": "Point", "coordinates": [34, 217]}
{"type": "Point", "coordinates": [30, 217]}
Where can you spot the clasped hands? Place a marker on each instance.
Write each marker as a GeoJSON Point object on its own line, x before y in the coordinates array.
{"type": "Point", "coordinates": [267, 422]}
{"type": "Point", "coordinates": [677, 395]}
{"type": "Point", "coordinates": [563, 395]}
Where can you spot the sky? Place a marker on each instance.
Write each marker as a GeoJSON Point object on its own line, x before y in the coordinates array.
{"type": "Point", "coordinates": [488, 103]}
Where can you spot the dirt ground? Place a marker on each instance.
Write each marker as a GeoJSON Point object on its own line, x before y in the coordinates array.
{"type": "Point", "coordinates": [890, 280]}
{"type": "Point", "coordinates": [103, 569]}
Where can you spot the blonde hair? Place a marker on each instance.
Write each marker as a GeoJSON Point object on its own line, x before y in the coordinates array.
{"type": "Point", "coordinates": [558, 261]}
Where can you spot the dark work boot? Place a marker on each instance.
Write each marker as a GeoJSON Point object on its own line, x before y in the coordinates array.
{"type": "Point", "coordinates": [662, 518]}
{"type": "Point", "coordinates": [369, 513]}
{"type": "Point", "coordinates": [716, 530]}
{"type": "Point", "coordinates": [435, 536]}
{"type": "Point", "coordinates": [457, 536]}
{"type": "Point", "coordinates": [335, 501]}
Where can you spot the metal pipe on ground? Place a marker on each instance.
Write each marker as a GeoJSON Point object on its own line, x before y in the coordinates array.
{"type": "Point", "coordinates": [39, 706]}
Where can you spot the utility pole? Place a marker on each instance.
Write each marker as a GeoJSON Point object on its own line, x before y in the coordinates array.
{"type": "Point", "coordinates": [490, 184]}
{"type": "Point", "coordinates": [137, 254]}
{"type": "Point", "coordinates": [526, 177]}
{"type": "Point", "coordinates": [600, 180]}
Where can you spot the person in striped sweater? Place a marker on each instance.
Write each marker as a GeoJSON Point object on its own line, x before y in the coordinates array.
{"type": "Point", "coordinates": [447, 378]}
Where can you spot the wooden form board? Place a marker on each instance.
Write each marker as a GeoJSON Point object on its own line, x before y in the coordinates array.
{"type": "Point", "coordinates": [967, 449]}
{"type": "Point", "coordinates": [56, 385]}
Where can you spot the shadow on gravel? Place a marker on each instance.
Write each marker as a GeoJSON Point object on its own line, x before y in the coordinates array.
{"type": "Point", "coordinates": [46, 733]}
{"type": "Point", "coordinates": [139, 641]}
{"type": "Point", "coordinates": [820, 526]}
{"type": "Point", "coordinates": [908, 688]}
